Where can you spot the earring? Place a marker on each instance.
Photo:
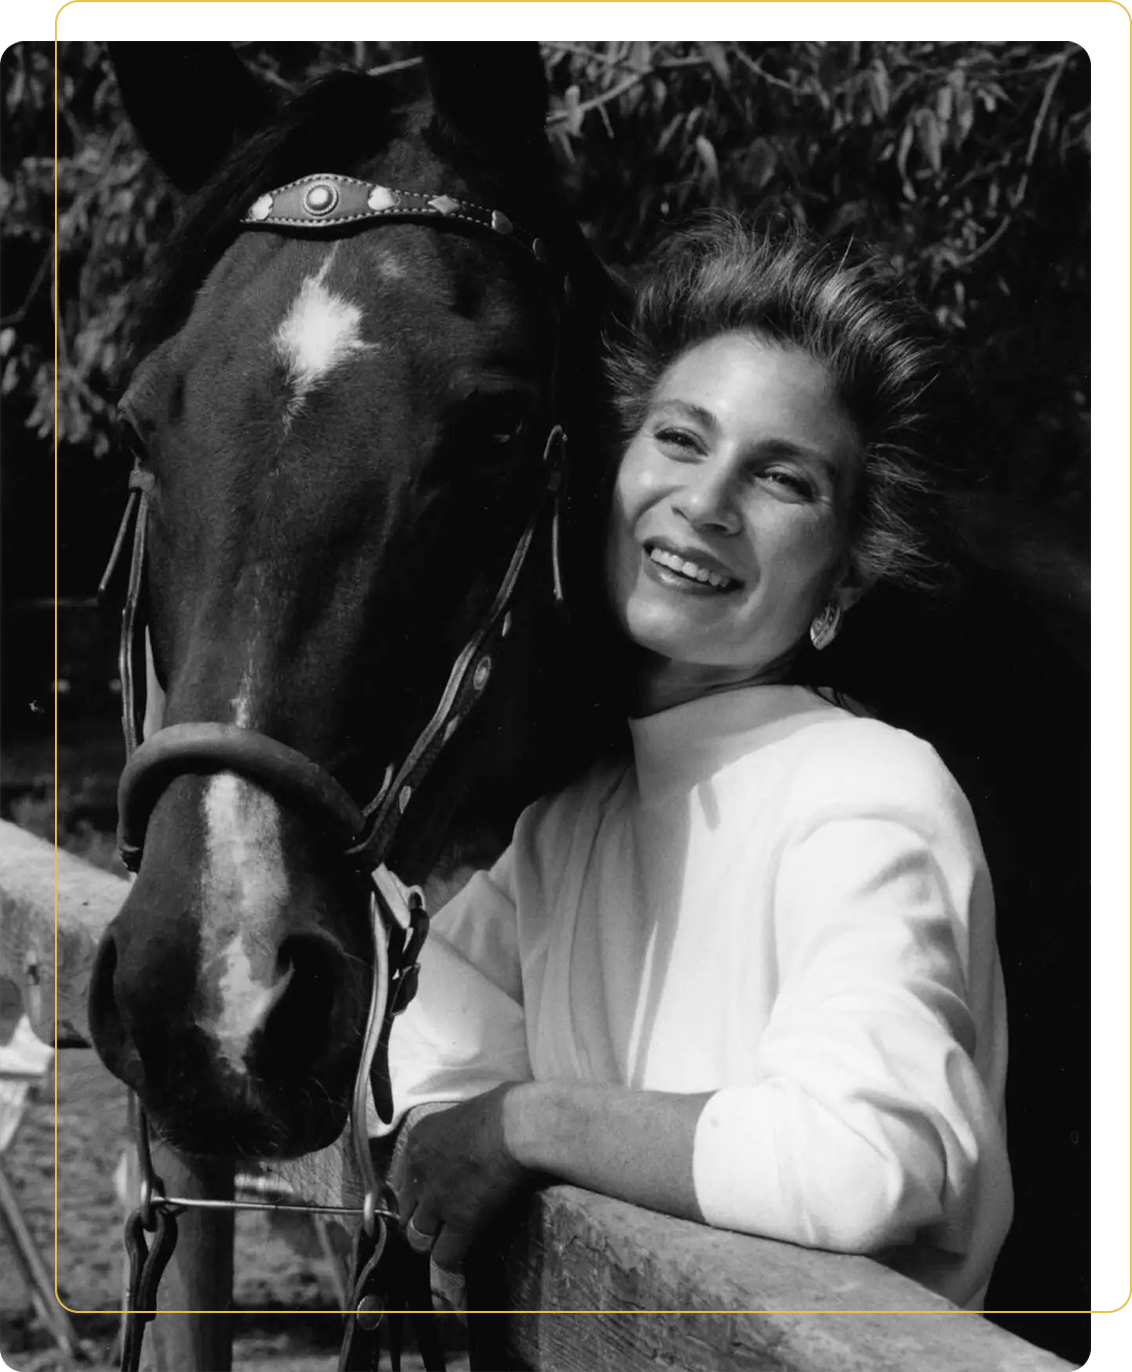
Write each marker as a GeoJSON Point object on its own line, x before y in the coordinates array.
{"type": "Point", "coordinates": [824, 626]}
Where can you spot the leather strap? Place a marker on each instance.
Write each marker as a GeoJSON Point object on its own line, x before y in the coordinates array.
{"type": "Point", "coordinates": [391, 1281]}
{"type": "Point", "coordinates": [329, 201]}
{"type": "Point", "coordinates": [213, 747]}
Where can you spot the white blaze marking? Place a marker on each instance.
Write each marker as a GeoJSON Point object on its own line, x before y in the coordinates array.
{"type": "Point", "coordinates": [246, 887]}
{"type": "Point", "coordinates": [242, 701]}
{"type": "Point", "coordinates": [321, 330]}
{"type": "Point", "coordinates": [244, 1003]}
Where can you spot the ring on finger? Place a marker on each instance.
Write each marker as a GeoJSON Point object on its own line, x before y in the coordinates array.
{"type": "Point", "coordinates": [418, 1241]}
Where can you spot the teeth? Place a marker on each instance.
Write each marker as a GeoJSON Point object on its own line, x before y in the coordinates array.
{"type": "Point", "coordinates": [691, 570]}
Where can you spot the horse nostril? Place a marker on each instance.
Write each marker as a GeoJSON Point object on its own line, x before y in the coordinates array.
{"type": "Point", "coordinates": [107, 1027]}
{"type": "Point", "coordinates": [300, 1028]}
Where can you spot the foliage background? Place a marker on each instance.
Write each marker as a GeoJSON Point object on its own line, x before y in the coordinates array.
{"type": "Point", "coordinates": [967, 162]}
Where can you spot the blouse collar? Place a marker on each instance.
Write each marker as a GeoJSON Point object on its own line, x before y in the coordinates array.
{"type": "Point", "coordinates": [682, 746]}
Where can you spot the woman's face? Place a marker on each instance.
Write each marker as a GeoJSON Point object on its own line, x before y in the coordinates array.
{"type": "Point", "coordinates": [731, 509]}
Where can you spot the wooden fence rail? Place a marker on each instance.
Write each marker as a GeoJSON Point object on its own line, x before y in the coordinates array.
{"type": "Point", "coordinates": [725, 1301]}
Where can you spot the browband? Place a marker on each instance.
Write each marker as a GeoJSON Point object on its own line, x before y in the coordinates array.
{"type": "Point", "coordinates": [327, 199]}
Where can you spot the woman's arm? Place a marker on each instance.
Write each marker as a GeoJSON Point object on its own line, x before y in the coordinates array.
{"type": "Point", "coordinates": [634, 1145]}
{"type": "Point", "coordinates": [462, 1165]}
{"type": "Point", "coordinates": [865, 1126]}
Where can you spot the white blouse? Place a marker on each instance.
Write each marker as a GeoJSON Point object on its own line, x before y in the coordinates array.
{"type": "Point", "coordinates": [784, 904]}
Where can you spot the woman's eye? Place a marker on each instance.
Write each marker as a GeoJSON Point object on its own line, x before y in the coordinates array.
{"type": "Point", "coordinates": [682, 440]}
{"type": "Point", "coordinates": [790, 481]}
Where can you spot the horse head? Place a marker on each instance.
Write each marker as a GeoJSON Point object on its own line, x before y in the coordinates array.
{"type": "Point", "coordinates": [356, 344]}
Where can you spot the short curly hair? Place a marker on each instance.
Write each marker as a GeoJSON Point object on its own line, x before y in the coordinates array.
{"type": "Point", "coordinates": [846, 307]}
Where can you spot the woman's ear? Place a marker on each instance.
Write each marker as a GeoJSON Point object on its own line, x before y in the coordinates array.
{"type": "Point", "coordinates": [851, 585]}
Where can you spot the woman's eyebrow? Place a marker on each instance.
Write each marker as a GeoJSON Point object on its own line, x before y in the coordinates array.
{"type": "Point", "coordinates": [697, 413]}
{"type": "Point", "coordinates": [788, 447]}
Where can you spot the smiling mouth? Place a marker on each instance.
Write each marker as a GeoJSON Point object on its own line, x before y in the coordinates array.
{"type": "Point", "coordinates": [692, 572]}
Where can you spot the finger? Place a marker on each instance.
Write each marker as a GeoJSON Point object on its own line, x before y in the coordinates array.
{"type": "Point", "coordinates": [419, 1240]}
{"type": "Point", "coordinates": [422, 1228]}
{"type": "Point", "coordinates": [407, 1187]}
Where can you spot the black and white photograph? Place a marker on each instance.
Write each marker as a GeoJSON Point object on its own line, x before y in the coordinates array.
{"type": "Point", "coordinates": [560, 806]}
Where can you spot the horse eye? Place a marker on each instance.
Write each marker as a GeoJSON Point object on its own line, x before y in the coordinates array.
{"type": "Point", "coordinates": [498, 419]}
{"type": "Point", "coordinates": [508, 435]}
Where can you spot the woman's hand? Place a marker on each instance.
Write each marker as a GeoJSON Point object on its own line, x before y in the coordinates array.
{"type": "Point", "coordinates": [454, 1175]}
{"type": "Point", "coordinates": [462, 1165]}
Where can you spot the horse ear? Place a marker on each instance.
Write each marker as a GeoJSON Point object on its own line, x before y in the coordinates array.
{"type": "Point", "coordinates": [190, 104]}
{"type": "Point", "coordinates": [493, 94]}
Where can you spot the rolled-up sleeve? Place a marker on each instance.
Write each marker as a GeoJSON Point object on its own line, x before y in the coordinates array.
{"type": "Point", "coordinates": [868, 1126]}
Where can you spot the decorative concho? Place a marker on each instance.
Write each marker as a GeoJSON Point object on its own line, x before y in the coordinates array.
{"type": "Point", "coordinates": [381, 198]}
{"type": "Point", "coordinates": [262, 207]}
{"type": "Point", "coordinates": [321, 198]}
{"type": "Point", "coordinates": [500, 223]}
{"type": "Point", "coordinates": [444, 204]}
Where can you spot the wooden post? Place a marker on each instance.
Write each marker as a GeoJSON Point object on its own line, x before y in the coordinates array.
{"type": "Point", "coordinates": [199, 1275]}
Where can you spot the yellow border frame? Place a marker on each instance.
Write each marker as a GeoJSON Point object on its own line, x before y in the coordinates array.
{"type": "Point", "coordinates": [1106, 30]}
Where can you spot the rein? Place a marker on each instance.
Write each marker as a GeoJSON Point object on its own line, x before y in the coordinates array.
{"type": "Point", "coordinates": [362, 833]}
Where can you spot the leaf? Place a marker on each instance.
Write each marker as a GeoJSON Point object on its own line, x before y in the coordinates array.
{"type": "Point", "coordinates": [716, 55]}
{"type": "Point", "coordinates": [964, 114]}
{"type": "Point", "coordinates": [668, 131]}
{"type": "Point", "coordinates": [848, 214]}
{"type": "Point", "coordinates": [762, 162]}
{"type": "Point", "coordinates": [571, 100]}
{"type": "Point", "coordinates": [708, 158]}
{"type": "Point", "coordinates": [905, 146]}
{"type": "Point", "coordinates": [879, 89]}
{"type": "Point", "coordinates": [928, 137]}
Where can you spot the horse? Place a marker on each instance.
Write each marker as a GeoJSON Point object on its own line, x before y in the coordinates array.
{"type": "Point", "coordinates": [360, 352]}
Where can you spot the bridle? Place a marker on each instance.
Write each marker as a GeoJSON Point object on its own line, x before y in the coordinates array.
{"type": "Point", "coordinates": [362, 833]}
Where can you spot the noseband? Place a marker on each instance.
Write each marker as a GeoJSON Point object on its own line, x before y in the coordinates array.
{"type": "Point", "coordinates": [362, 834]}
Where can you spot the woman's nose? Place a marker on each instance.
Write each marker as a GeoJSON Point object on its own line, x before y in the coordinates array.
{"type": "Point", "coordinates": [707, 500]}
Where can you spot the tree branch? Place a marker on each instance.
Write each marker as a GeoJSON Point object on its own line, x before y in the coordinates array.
{"type": "Point", "coordinates": [1027, 165]}
{"type": "Point", "coordinates": [606, 98]}
{"type": "Point", "coordinates": [766, 76]}
{"type": "Point", "coordinates": [391, 67]}
{"type": "Point", "coordinates": [18, 316]}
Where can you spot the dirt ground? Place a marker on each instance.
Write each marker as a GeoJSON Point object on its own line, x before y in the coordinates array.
{"type": "Point", "coordinates": [298, 1335]}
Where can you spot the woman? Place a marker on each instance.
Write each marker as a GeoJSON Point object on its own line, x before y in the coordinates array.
{"type": "Point", "coordinates": [747, 976]}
